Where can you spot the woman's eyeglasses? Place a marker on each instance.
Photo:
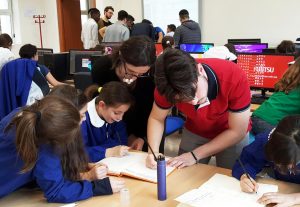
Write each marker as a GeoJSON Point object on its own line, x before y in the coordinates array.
{"type": "Point", "coordinates": [130, 75]}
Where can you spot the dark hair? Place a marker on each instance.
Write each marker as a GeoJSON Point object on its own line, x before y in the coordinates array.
{"type": "Point", "coordinates": [172, 27]}
{"type": "Point", "coordinates": [93, 11]}
{"type": "Point", "coordinates": [113, 94]}
{"type": "Point", "coordinates": [5, 40]}
{"type": "Point", "coordinates": [286, 47]}
{"type": "Point", "coordinates": [28, 51]}
{"type": "Point", "coordinates": [130, 18]}
{"type": "Point", "coordinates": [283, 148]}
{"type": "Point", "coordinates": [78, 99]}
{"type": "Point", "coordinates": [231, 48]}
{"type": "Point", "coordinates": [147, 21]}
{"type": "Point", "coordinates": [176, 75]}
{"type": "Point", "coordinates": [167, 42]}
{"type": "Point", "coordinates": [108, 8]}
{"type": "Point", "coordinates": [290, 79]}
{"type": "Point", "coordinates": [51, 121]}
{"type": "Point", "coordinates": [122, 15]}
{"type": "Point", "coordinates": [184, 14]}
{"type": "Point", "coordinates": [137, 51]}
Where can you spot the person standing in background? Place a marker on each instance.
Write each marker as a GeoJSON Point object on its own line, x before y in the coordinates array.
{"type": "Point", "coordinates": [130, 22]}
{"type": "Point", "coordinates": [189, 31]}
{"type": "Point", "coordinates": [5, 46]}
{"type": "Point", "coordinates": [118, 32]}
{"type": "Point", "coordinates": [171, 30]}
{"type": "Point", "coordinates": [104, 21]}
{"type": "Point", "coordinates": [89, 33]}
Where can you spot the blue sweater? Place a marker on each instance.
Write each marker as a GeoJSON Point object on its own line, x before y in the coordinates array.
{"type": "Point", "coordinates": [254, 160]}
{"type": "Point", "coordinates": [98, 138]}
{"type": "Point", "coordinates": [47, 171]}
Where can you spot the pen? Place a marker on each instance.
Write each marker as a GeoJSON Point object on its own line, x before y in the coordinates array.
{"type": "Point", "coordinates": [245, 172]}
{"type": "Point", "coordinates": [151, 149]}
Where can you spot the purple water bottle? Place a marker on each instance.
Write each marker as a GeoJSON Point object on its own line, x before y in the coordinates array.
{"type": "Point", "coordinates": [161, 178]}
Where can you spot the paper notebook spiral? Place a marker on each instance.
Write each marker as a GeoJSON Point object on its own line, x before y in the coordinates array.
{"type": "Point", "coordinates": [133, 165]}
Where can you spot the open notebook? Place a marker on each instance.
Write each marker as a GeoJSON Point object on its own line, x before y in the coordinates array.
{"type": "Point", "coordinates": [133, 165]}
{"type": "Point", "coordinates": [222, 190]}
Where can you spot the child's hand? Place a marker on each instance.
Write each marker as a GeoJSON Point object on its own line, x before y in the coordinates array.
{"type": "Point", "coordinates": [247, 185]}
{"type": "Point", "coordinates": [118, 151]}
{"type": "Point", "coordinates": [95, 172]}
{"type": "Point", "coordinates": [282, 200]}
{"type": "Point", "coordinates": [116, 184]}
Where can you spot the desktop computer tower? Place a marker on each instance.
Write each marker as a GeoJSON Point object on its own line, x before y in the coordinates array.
{"type": "Point", "coordinates": [58, 65]}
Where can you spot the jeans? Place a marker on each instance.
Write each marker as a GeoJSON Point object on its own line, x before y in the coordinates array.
{"type": "Point", "coordinates": [259, 125]}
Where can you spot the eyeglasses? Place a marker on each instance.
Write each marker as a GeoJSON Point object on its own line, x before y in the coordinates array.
{"type": "Point", "coordinates": [132, 75]}
{"type": "Point", "coordinates": [285, 169]}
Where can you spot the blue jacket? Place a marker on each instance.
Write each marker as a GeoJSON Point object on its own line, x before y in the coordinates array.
{"type": "Point", "coordinates": [99, 135]}
{"type": "Point", "coordinates": [254, 160]}
{"type": "Point", "coordinates": [47, 171]}
{"type": "Point", "coordinates": [15, 81]}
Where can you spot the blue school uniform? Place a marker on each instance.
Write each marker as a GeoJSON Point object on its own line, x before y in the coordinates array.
{"type": "Point", "coordinates": [99, 135]}
{"type": "Point", "coordinates": [254, 160]}
{"type": "Point", "coordinates": [47, 172]}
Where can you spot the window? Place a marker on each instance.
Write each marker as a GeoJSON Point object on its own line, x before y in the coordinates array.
{"type": "Point", "coordinates": [6, 17]}
{"type": "Point", "coordinates": [84, 8]}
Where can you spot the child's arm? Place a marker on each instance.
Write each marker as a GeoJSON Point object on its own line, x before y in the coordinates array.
{"type": "Point", "coordinates": [252, 157]}
{"type": "Point", "coordinates": [49, 176]}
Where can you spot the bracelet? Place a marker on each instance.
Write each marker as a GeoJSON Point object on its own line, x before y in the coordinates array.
{"type": "Point", "coordinates": [194, 156]}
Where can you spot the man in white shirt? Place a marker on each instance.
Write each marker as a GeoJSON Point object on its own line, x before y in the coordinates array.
{"type": "Point", "coordinates": [118, 32]}
{"type": "Point", "coordinates": [89, 33]}
{"type": "Point", "coordinates": [5, 46]}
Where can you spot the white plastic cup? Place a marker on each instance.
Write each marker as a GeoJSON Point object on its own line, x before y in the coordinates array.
{"type": "Point", "coordinates": [125, 197]}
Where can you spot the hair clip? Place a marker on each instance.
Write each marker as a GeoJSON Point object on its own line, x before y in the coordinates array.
{"type": "Point", "coordinates": [168, 42]}
{"type": "Point", "coordinates": [271, 132]}
{"type": "Point", "coordinates": [99, 89]}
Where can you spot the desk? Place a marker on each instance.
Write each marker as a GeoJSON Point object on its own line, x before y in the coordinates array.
{"type": "Point", "coordinates": [142, 193]}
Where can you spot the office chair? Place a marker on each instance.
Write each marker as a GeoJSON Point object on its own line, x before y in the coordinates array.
{"type": "Point", "coordinates": [172, 124]}
{"type": "Point", "coordinates": [82, 80]}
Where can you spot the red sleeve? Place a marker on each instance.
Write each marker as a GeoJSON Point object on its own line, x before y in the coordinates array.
{"type": "Point", "coordinates": [161, 101]}
{"type": "Point", "coordinates": [240, 95]}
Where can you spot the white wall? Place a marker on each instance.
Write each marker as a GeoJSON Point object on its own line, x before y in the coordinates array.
{"type": "Point", "coordinates": [27, 31]}
{"type": "Point", "coordinates": [270, 20]}
{"type": "Point", "coordinates": [133, 7]}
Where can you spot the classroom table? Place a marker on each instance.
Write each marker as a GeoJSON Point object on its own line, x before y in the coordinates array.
{"type": "Point", "coordinates": [142, 193]}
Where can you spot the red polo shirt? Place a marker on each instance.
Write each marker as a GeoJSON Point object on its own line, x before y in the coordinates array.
{"type": "Point", "coordinates": [228, 90]}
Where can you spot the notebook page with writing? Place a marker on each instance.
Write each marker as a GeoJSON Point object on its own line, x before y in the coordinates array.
{"type": "Point", "coordinates": [222, 190]}
{"type": "Point", "coordinates": [133, 165]}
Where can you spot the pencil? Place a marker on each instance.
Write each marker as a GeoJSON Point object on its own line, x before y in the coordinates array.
{"type": "Point", "coordinates": [245, 172]}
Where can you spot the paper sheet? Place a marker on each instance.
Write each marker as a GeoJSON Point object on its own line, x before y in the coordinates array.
{"type": "Point", "coordinates": [222, 190]}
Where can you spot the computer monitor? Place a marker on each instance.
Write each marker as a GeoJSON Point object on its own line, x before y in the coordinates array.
{"type": "Point", "coordinates": [269, 51]}
{"type": "Point", "coordinates": [159, 48]}
{"type": "Point", "coordinates": [58, 64]}
{"type": "Point", "coordinates": [41, 52]}
{"type": "Point", "coordinates": [264, 70]}
{"type": "Point", "coordinates": [196, 47]}
{"type": "Point", "coordinates": [110, 46]}
{"type": "Point", "coordinates": [80, 60]}
{"type": "Point", "coordinates": [297, 47]}
{"type": "Point", "coordinates": [243, 41]}
{"type": "Point", "coordinates": [250, 48]}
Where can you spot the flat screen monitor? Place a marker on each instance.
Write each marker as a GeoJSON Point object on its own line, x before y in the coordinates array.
{"type": "Point", "coordinates": [41, 52]}
{"type": "Point", "coordinates": [196, 47]}
{"type": "Point", "coordinates": [58, 64]}
{"type": "Point", "coordinates": [243, 41]}
{"type": "Point", "coordinates": [250, 48]}
{"type": "Point", "coordinates": [159, 48]}
{"type": "Point", "coordinates": [297, 47]}
{"type": "Point", "coordinates": [80, 60]}
{"type": "Point", "coordinates": [110, 46]}
{"type": "Point", "coordinates": [264, 70]}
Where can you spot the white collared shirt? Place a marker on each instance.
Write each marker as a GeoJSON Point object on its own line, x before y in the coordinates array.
{"type": "Point", "coordinates": [89, 34]}
{"type": "Point", "coordinates": [96, 120]}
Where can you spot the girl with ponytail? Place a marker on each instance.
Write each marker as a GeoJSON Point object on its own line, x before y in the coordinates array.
{"type": "Point", "coordinates": [104, 132]}
{"type": "Point", "coordinates": [43, 143]}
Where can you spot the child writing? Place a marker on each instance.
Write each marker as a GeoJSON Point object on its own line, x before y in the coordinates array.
{"type": "Point", "coordinates": [279, 149]}
{"type": "Point", "coordinates": [42, 143]}
{"type": "Point", "coordinates": [103, 131]}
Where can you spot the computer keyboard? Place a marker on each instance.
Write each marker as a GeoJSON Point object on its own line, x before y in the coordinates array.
{"type": "Point", "coordinates": [258, 99]}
